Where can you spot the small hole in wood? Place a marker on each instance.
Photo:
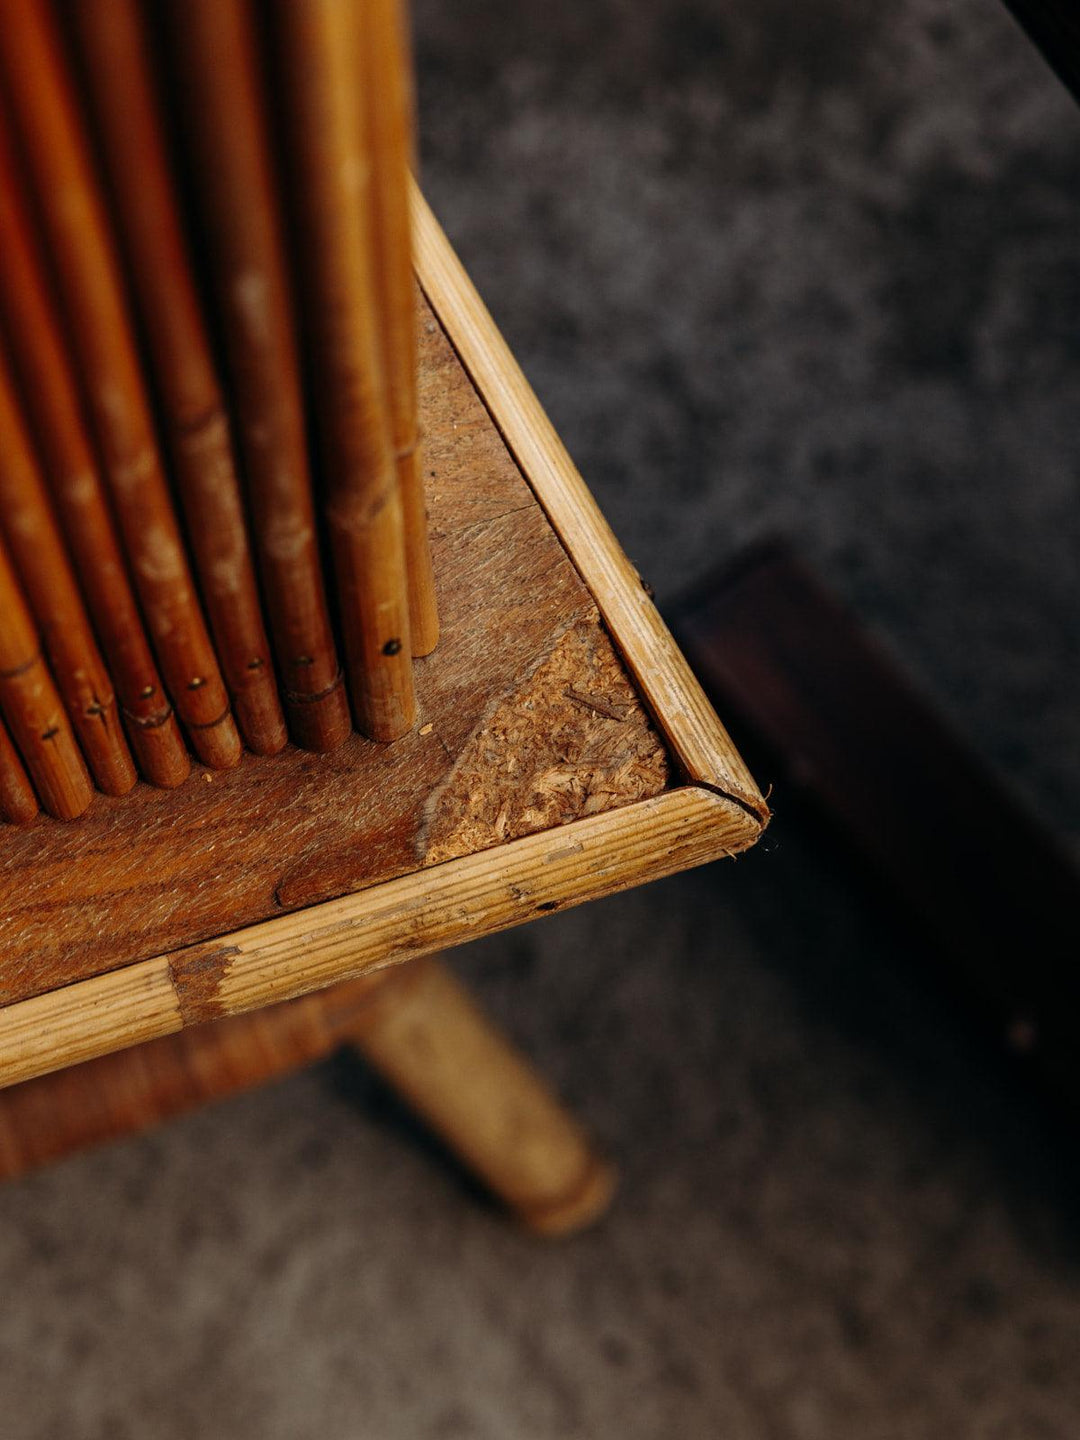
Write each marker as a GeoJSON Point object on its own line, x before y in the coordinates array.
{"type": "Point", "coordinates": [303, 660]}
{"type": "Point", "coordinates": [146, 692]}
{"type": "Point", "coordinates": [256, 663]}
{"type": "Point", "coordinates": [51, 733]}
{"type": "Point", "coordinates": [392, 647]}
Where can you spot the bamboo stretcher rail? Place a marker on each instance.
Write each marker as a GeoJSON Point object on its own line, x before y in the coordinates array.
{"type": "Point", "coordinates": [215, 52]}
{"type": "Point", "coordinates": [320, 57]}
{"type": "Point", "coordinates": [54, 409]}
{"type": "Point", "coordinates": [114, 48]}
{"type": "Point", "coordinates": [89, 279]}
{"type": "Point", "coordinates": [414, 1024]}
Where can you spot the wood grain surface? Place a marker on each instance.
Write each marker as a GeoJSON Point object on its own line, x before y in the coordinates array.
{"type": "Point", "coordinates": [503, 748]}
{"type": "Point", "coordinates": [417, 913]}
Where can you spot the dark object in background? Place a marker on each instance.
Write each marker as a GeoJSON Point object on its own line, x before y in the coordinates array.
{"type": "Point", "coordinates": [778, 652]}
{"type": "Point", "coordinates": [1054, 25]}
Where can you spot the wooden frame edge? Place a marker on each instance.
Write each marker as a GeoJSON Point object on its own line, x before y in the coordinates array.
{"type": "Point", "coordinates": [660, 670]}
{"type": "Point", "coordinates": [719, 814]}
{"type": "Point", "coordinates": [398, 920]}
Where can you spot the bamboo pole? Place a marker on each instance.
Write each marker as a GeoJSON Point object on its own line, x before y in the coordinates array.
{"type": "Point", "coordinates": [113, 45]}
{"type": "Point", "coordinates": [18, 803]}
{"type": "Point", "coordinates": [321, 67]}
{"type": "Point", "coordinates": [88, 275]}
{"type": "Point", "coordinates": [423, 1032]}
{"type": "Point", "coordinates": [213, 45]}
{"type": "Point", "coordinates": [53, 406]}
{"type": "Point", "coordinates": [49, 585]}
{"type": "Point", "coordinates": [33, 709]}
{"type": "Point", "coordinates": [387, 87]}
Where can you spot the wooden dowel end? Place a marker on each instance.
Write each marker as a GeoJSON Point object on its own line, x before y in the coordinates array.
{"type": "Point", "coordinates": [18, 803]}
{"type": "Point", "coordinates": [159, 749]}
{"type": "Point", "coordinates": [319, 722]}
{"type": "Point", "coordinates": [42, 733]}
{"type": "Point", "coordinates": [217, 744]}
{"type": "Point", "coordinates": [369, 563]}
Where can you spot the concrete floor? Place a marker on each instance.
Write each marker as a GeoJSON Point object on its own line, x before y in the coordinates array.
{"type": "Point", "coordinates": [801, 267]}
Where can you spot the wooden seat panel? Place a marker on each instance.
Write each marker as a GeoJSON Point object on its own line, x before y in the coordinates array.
{"type": "Point", "coordinates": [528, 720]}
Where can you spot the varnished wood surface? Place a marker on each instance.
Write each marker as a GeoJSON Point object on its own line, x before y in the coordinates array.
{"type": "Point", "coordinates": [528, 720]}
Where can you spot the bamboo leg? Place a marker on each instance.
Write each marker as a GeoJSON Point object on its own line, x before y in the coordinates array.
{"type": "Point", "coordinates": [421, 1031]}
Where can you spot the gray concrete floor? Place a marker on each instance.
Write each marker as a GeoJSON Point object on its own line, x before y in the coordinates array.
{"type": "Point", "coordinates": [805, 267]}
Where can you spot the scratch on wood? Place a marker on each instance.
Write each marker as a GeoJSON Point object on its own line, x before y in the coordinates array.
{"type": "Point", "coordinates": [196, 976]}
{"type": "Point", "coordinates": [597, 704]}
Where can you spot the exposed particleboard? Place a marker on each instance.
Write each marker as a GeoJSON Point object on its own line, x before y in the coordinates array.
{"type": "Point", "coordinates": [572, 740]}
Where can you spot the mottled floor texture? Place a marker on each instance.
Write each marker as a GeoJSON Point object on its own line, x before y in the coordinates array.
{"type": "Point", "coordinates": [810, 267]}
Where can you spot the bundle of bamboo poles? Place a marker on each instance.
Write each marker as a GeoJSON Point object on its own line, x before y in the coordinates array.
{"type": "Point", "coordinates": [180, 182]}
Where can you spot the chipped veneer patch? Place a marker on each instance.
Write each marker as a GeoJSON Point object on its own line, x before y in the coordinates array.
{"type": "Point", "coordinates": [571, 740]}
